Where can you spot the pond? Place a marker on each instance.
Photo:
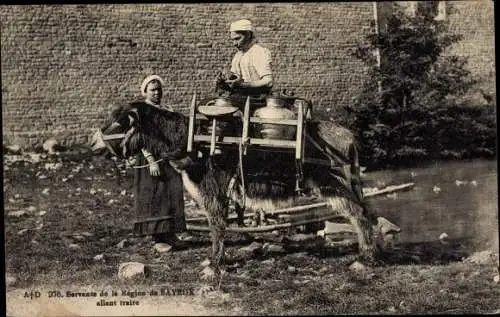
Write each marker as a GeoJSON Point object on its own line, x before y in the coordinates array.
{"type": "Point", "coordinates": [456, 198]}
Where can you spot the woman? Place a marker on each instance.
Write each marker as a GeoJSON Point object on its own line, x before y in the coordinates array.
{"type": "Point", "coordinates": [158, 187]}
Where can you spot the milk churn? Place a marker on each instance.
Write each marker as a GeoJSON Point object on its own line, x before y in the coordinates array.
{"type": "Point", "coordinates": [220, 108]}
{"type": "Point", "coordinates": [276, 109]}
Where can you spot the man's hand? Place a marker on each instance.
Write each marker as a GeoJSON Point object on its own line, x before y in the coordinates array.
{"type": "Point", "coordinates": [219, 78]}
{"type": "Point", "coordinates": [220, 82]}
{"type": "Point", "coordinates": [234, 81]}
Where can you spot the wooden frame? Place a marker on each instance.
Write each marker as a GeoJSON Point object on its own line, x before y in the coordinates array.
{"type": "Point", "coordinates": [192, 119]}
{"type": "Point", "coordinates": [213, 140]}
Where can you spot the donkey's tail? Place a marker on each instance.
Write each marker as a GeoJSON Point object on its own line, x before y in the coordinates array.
{"type": "Point", "coordinates": [357, 184]}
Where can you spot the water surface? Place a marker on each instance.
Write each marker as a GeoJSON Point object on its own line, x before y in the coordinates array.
{"type": "Point", "coordinates": [456, 198]}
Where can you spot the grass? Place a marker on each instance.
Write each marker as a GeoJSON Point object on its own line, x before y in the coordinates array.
{"type": "Point", "coordinates": [91, 210]}
{"type": "Point", "coordinates": [397, 289]}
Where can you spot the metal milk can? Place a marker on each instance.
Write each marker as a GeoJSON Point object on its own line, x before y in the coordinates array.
{"type": "Point", "coordinates": [276, 109]}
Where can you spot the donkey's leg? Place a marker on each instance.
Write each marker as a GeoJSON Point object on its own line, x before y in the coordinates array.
{"type": "Point", "coordinates": [216, 256]}
{"type": "Point", "coordinates": [362, 225]}
{"type": "Point", "coordinates": [216, 204]}
{"type": "Point", "coordinates": [217, 222]}
{"type": "Point", "coordinates": [240, 213]}
{"type": "Point", "coordinates": [220, 255]}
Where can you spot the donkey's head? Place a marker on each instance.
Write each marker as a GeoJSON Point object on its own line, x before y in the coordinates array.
{"type": "Point", "coordinates": [116, 133]}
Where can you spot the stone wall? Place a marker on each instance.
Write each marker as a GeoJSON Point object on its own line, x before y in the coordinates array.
{"type": "Point", "coordinates": [63, 66]}
{"type": "Point", "coordinates": [474, 20]}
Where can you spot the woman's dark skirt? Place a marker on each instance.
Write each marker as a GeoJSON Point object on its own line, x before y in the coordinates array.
{"type": "Point", "coordinates": [159, 197]}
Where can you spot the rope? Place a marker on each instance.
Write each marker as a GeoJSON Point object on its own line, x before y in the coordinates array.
{"type": "Point", "coordinates": [146, 165]}
{"type": "Point", "coordinates": [241, 148]}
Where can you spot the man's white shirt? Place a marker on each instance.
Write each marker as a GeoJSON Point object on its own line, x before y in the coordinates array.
{"type": "Point", "coordinates": [253, 64]}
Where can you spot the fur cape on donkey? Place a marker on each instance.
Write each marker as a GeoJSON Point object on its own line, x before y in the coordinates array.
{"type": "Point", "coordinates": [270, 177]}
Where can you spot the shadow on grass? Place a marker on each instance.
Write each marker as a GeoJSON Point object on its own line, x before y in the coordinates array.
{"type": "Point", "coordinates": [202, 240]}
{"type": "Point", "coordinates": [433, 252]}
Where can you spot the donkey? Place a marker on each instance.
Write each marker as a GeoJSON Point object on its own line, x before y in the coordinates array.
{"type": "Point", "coordinates": [269, 180]}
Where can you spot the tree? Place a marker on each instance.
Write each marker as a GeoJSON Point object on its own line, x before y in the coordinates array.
{"type": "Point", "coordinates": [414, 106]}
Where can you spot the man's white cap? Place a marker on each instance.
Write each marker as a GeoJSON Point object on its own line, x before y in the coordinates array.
{"type": "Point", "coordinates": [148, 80]}
{"type": "Point", "coordinates": [241, 25]}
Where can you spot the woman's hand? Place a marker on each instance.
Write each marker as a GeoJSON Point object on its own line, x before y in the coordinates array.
{"type": "Point", "coordinates": [130, 162]}
{"type": "Point", "coordinates": [154, 169]}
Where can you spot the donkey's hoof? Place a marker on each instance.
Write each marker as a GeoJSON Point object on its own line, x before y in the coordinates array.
{"type": "Point", "coordinates": [205, 289]}
{"type": "Point", "coordinates": [208, 273]}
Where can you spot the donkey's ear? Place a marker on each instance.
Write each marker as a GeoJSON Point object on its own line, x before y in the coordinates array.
{"type": "Point", "coordinates": [133, 115]}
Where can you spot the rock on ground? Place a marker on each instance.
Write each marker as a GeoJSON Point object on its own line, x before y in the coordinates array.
{"type": "Point", "coordinates": [12, 149]}
{"type": "Point", "coordinates": [162, 247]}
{"type": "Point", "coordinates": [205, 263]}
{"type": "Point", "coordinates": [10, 279]}
{"type": "Point", "coordinates": [386, 227]}
{"type": "Point", "coordinates": [483, 257]}
{"type": "Point", "coordinates": [78, 237]}
{"type": "Point", "coordinates": [269, 261]}
{"type": "Point", "coordinates": [122, 244]}
{"type": "Point", "coordinates": [496, 279]}
{"type": "Point", "coordinates": [250, 250]}
{"type": "Point", "coordinates": [274, 248]}
{"type": "Point", "coordinates": [444, 238]}
{"type": "Point", "coordinates": [74, 246]}
{"type": "Point", "coordinates": [18, 213]}
{"type": "Point", "coordinates": [22, 231]}
{"type": "Point", "coordinates": [50, 145]}
{"type": "Point", "coordinates": [130, 270]}
{"type": "Point", "coordinates": [358, 267]}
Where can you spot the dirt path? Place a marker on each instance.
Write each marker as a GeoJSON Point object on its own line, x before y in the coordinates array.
{"type": "Point", "coordinates": [19, 306]}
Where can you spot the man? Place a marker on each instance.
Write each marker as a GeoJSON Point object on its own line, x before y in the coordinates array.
{"type": "Point", "coordinates": [251, 72]}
